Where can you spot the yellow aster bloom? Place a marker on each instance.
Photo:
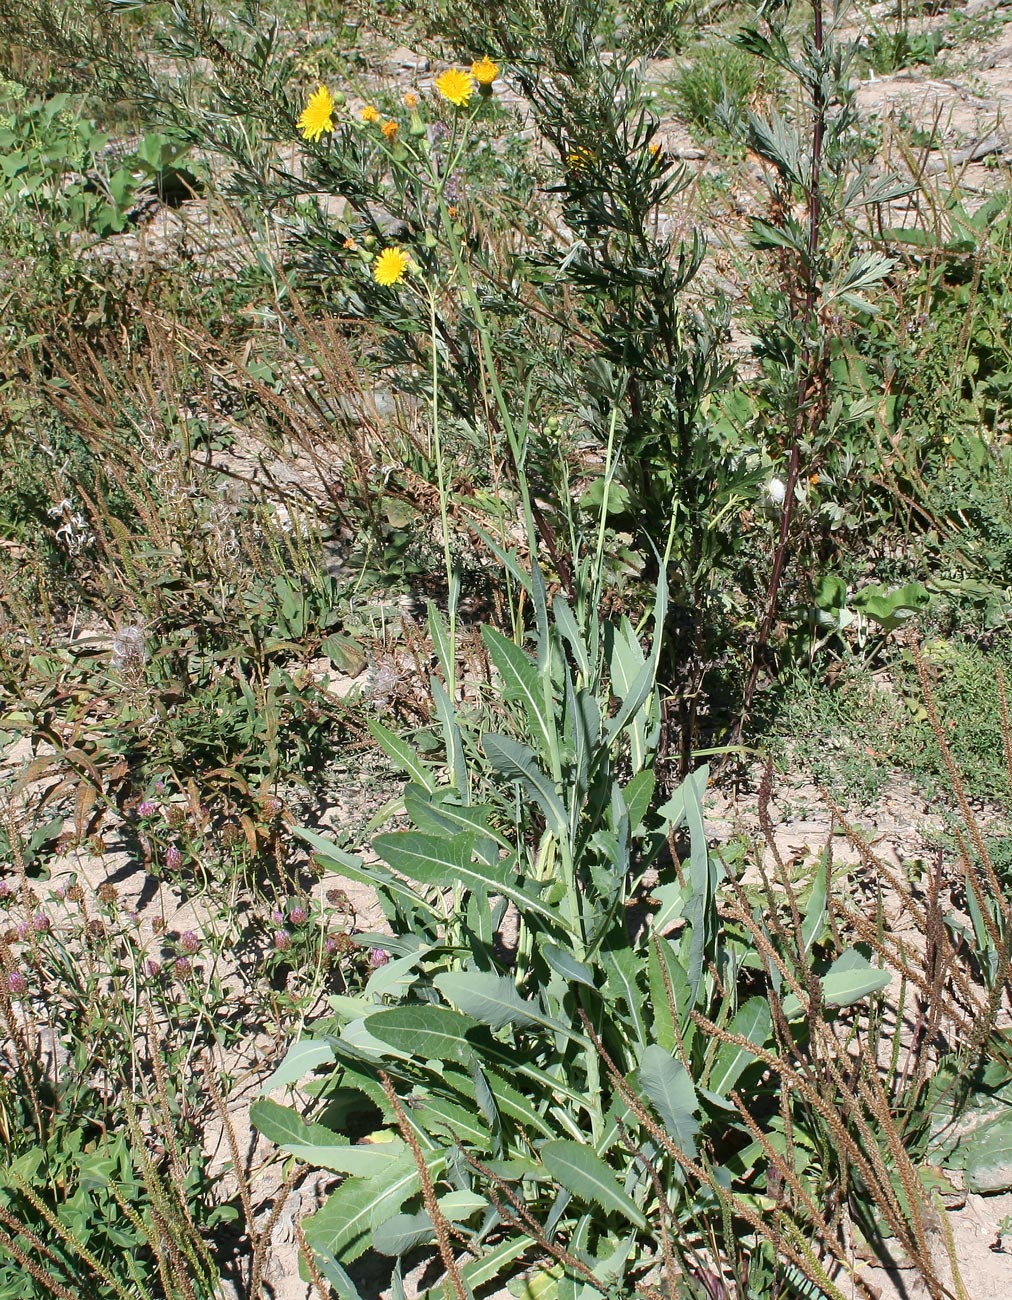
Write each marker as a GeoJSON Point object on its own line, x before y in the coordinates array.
{"type": "Point", "coordinates": [411, 100]}
{"type": "Point", "coordinates": [370, 114]}
{"type": "Point", "coordinates": [579, 159]}
{"type": "Point", "coordinates": [484, 71]}
{"type": "Point", "coordinates": [318, 115]}
{"type": "Point", "coordinates": [456, 85]}
{"type": "Point", "coordinates": [390, 266]}
{"type": "Point", "coordinates": [389, 129]}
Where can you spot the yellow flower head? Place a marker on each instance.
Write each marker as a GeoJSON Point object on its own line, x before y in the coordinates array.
{"type": "Point", "coordinates": [484, 71]}
{"type": "Point", "coordinates": [390, 266]}
{"type": "Point", "coordinates": [411, 100]}
{"type": "Point", "coordinates": [370, 114]}
{"type": "Point", "coordinates": [456, 85]}
{"type": "Point", "coordinates": [580, 158]}
{"type": "Point", "coordinates": [349, 244]}
{"type": "Point", "coordinates": [318, 115]}
{"type": "Point", "coordinates": [389, 129]}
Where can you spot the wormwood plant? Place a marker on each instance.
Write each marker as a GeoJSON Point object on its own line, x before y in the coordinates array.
{"type": "Point", "coordinates": [824, 270]}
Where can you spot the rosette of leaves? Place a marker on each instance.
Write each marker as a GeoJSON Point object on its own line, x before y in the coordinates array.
{"type": "Point", "coordinates": [549, 1099]}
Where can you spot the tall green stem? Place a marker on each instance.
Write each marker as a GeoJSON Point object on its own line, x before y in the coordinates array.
{"type": "Point", "coordinates": [444, 516]}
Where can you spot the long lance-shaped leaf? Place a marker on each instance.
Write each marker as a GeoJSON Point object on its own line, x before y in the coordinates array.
{"type": "Point", "coordinates": [522, 683]}
{"type": "Point", "coordinates": [445, 860]}
{"type": "Point", "coordinates": [301, 1059]}
{"type": "Point", "coordinates": [316, 1145]}
{"type": "Point", "coordinates": [669, 1089]}
{"type": "Point", "coordinates": [703, 877]}
{"type": "Point", "coordinates": [753, 1021]}
{"type": "Point", "coordinates": [482, 1271]}
{"type": "Point", "coordinates": [432, 813]}
{"type": "Point", "coordinates": [643, 684]}
{"type": "Point", "coordinates": [494, 1000]}
{"type": "Point", "coordinates": [518, 762]}
{"type": "Point", "coordinates": [343, 1227]}
{"type": "Point", "coordinates": [404, 756]}
{"type": "Point", "coordinates": [440, 635]}
{"type": "Point", "coordinates": [451, 738]}
{"type": "Point", "coordinates": [365, 873]}
{"type": "Point", "coordinates": [565, 621]}
{"type": "Point", "coordinates": [580, 1171]}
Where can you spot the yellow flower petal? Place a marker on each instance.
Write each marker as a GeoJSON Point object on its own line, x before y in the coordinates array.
{"type": "Point", "coordinates": [318, 115]}
{"type": "Point", "coordinates": [370, 114]}
{"type": "Point", "coordinates": [484, 71]}
{"type": "Point", "coordinates": [389, 129]}
{"type": "Point", "coordinates": [390, 266]}
{"type": "Point", "coordinates": [456, 85]}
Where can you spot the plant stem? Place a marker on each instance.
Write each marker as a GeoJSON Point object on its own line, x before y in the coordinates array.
{"type": "Point", "coordinates": [444, 518]}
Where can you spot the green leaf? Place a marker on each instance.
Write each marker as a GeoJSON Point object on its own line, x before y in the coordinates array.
{"type": "Point", "coordinates": [482, 1271]}
{"type": "Point", "coordinates": [343, 1227]}
{"type": "Point", "coordinates": [429, 1033]}
{"type": "Point", "coordinates": [753, 1021]}
{"type": "Point", "coordinates": [452, 738]}
{"type": "Point", "coordinates": [567, 625]}
{"type": "Point", "coordinates": [668, 983]}
{"type": "Point", "coordinates": [623, 968]}
{"type": "Point", "coordinates": [521, 683]}
{"type": "Point", "coordinates": [576, 1168]}
{"type": "Point", "coordinates": [850, 978]}
{"type": "Point", "coordinates": [353, 868]}
{"type": "Point", "coordinates": [669, 1089]}
{"type": "Point", "coordinates": [518, 763]}
{"type": "Point", "coordinates": [439, 811]}
{"type": "Point", "coordinates": [403, 756]}
{"type": "Point", "coordinates": [638, 795]}
{"type": "Point", "coordinates": [491, 999]}
{"type": "Point", "coordinates": [319, 1146]}
{"type": "Point", "coordinates": [438, 1115]}
{"type": "Point", "coordinates": [301, 1059]}
{"type": "Point", "coordinates": [446, 859]}
{"type": "Point", "coordinates": [816, 912]}
{"type": "Point", "coordinates": [565, 964]}
{"type": "Point", "coordinates": [987, 1157]}
{"type": "Point", "coordinates": [403, 1233]}
{"type": "Point", "coordinates": [512, 1102]}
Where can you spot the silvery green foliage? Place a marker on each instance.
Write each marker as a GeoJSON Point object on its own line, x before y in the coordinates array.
{"type": "Point", "coordinates": [549, 1071]}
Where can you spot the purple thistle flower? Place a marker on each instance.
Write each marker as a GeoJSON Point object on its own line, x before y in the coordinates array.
{"type": "Point", "coordinates": [183, 968]}
{"type": "Point", "coordinates": [17, 985]}
{"type": "Point", "coordinates": [152, 967]}
{"type": "Point", "coordinates": [41, 923]}
{"type": "Point", "coordinates": [298, 915]}
{"type": "Point", "coordinates": [330, 945]}
{"type": "Point", "coordinates": [147, 808]}
{"type": "Point", "coordinates": [189, 941]}
{"type": "Point", "coordinates": [277, 916]}
{"type": "Point", "coordinates": [22, 929]}
{"type": "Point", "coordinates": [377, 958]}
{"type": "Point", "coordinates": [173, 858]}
{"type": "Point", "coordinates": [282, 940]}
